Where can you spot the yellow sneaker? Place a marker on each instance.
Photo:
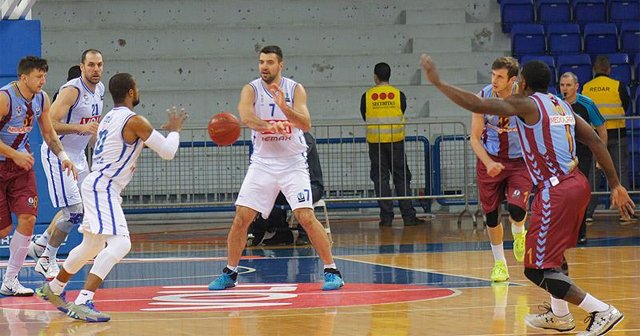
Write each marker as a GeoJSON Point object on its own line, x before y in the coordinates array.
{"type": "Point", "coordinates": [499, 272]}
{"type": "Point", "coordinates": [518, 245]}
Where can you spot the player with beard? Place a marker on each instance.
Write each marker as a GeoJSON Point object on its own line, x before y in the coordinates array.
{"type": "Point", "coordinates": [275, 108]}
{"type": "Point", "coordinates": [75, 116]}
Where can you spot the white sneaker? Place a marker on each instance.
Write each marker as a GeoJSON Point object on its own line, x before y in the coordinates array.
{"type": "Point", "coordinates": [601, 322]}
{"type": "Point", "coordinates": [549, 320]}
{"type": "Point", "coordinates": [14, 288]}
{"type": "Point", "coordinates": [47, 268]}
{"type": "Point", "coordinates": [35, 251]}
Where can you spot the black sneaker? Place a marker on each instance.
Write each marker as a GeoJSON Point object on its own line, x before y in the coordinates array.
{"type": "Point", "coordinates": [414, 221]}
{"type": "Point", "coordinates": [386, 222]}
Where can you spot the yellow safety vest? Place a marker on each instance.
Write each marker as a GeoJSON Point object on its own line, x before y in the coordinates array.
{"type": "Point", "coordinates": [604, 92]}
{"type": "Point", "coordinates": [385, 121]}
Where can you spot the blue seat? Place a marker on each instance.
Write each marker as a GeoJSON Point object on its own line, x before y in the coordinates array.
{"type": "Point", "coordinates": [586, 11]}
{"type": "Point", "coordinates": [553, 11]}
{"type": "Point", "coordinates": [633, 124]}
{"type": "Point", "coordinates": [624, 11]}
{"type": "Point", "coordinates": [620, 67]}
{"type": "Point", "coordinates": [549, 60]}
{"type": "Point", "coordinates": [515, 11]}
{"type": "Point", "coordinates": [600, 38]}
{"type": "Point", "coordinates": [637, 101]}
{"type": "Point", "coordinates": [579, 64]}
{"type": "Point", "coordinates": [636, 74]}
{"type": "Point", "coordinates": [527, 39]}
{"type": "Point", "coordinates": [564, 39]}
{"type": "Point", "coordinates": [630, 39]}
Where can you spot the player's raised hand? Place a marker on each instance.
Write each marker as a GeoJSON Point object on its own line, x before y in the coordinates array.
{"type": "Point", "coordinates": [278, 96]}
{"type": "Point", "coordinates": [620, 199]}
{"type": "Point", "coordinates": [430, 70]}
{"type": "Point", "coordinates": [23, 160]}
{"type": "Point", "coordinates": [175, 119]}
{"type": "Point", "coordinates": [70, 168]}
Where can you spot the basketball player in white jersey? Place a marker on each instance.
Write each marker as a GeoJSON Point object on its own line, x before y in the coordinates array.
{"type": "Point", "coordinates": [75, 116]}
{"type": "Point", "coordinates": [121, 136]}
{"type": "Point", "coordinates": [275, 108]}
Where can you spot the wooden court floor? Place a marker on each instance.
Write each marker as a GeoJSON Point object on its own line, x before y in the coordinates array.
{"type": "Point", "coordinates": [426, 280]}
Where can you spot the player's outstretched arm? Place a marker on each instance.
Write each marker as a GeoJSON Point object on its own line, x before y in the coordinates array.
{"type": "Point", "coordinates": [138, 127]}
{"type": "Point", "coordinates": [511, 106]}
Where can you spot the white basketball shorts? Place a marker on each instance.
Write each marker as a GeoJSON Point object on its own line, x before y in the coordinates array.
{"type": "Point", "coordinates": [63, 189]}
{"type": "Point", "coordinates": [102, 207]}
{"type": "Point", "coordinates": [267, 177]}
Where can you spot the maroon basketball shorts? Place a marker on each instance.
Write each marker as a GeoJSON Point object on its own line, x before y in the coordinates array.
{"type": "Point", "coordinates": [556, 216]}
{"type": "Point", "coordinates": [513, 184]}
{"type": "Point", "coordinates": [18, 192]}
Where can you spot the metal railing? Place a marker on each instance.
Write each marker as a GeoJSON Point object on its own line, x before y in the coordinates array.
{"type": "Point", "coordinates": [206, 177]}
{"type": "Point", "coordinates": [16, 9]}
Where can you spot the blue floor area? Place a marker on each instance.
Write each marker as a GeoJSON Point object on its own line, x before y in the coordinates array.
{"type": "Point", "coordinates": [293, 269]}
{"type": "Point", "coordinates": [280, 252]}
{"type": "Point", "coordinates": [289, 265]}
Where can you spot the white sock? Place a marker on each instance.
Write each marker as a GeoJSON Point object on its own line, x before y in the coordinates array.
{"type": "Point", "coordinates": [498, 252]}
{"type": "Point", "coordinates": [51, 252]}
{"type": "Point", "coordinates": [516, 228]}
{"type": "Point", "coordinates": [57, 286]}
{"type": "Point", "coordinates": [233, 268]}
{"type": "Point", "coordinates": [559, 307]}
{"type": "Point", "coordinates": [43, 240]}
{"type": "Point", "coordinates": [84, 296]}
{"type": "Point", "coordinates": [333, 266]}
{"type": "Point", "coordinates": [591, 304]}
{"type": "Point", "coordinates": [18, 248]}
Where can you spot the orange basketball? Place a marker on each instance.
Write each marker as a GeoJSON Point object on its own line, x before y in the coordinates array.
{"type": "Point", "coordinates": [224, 129]}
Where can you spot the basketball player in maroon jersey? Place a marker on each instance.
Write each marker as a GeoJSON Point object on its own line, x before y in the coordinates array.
{"type": "Point", "coordinates": [548, 129]}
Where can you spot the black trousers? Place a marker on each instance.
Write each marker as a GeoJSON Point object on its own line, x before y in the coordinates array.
{"type": "Point", "coordinates": [387, 160]}
{"type": "Point", "coordinates": [585, 160]}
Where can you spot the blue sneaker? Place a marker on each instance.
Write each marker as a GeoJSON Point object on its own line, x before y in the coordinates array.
{"type": "Point", "coordinates": [59, 301]}
{"type": "Point", "coordinates": [87, 312]}
{"type": "Point", "coordinates": [332, 280]}
{"type": "Point", "coordinates": [228, 279]}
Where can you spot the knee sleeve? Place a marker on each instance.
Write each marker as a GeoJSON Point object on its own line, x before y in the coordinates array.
{"type": "Point", "coordinates": [71, 215]}
{"type": "Point", "coordinates": [564, 267]}
{"type": "Point", "coordinates": [117, 248]}
{"type": "Point", "coordinates": [89, 247]}
{"type": "Point", "coordinates": [492, 218]}
{"type": "Point", "coordinates": [551, 280]}
{"type": "Point", "coordinates": [517, 213]}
